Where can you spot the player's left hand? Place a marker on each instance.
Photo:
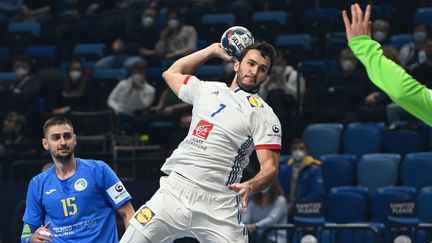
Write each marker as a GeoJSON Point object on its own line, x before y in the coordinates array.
{"type": "Point", "coordinates": [243, 189]}
{"type": "Point", "coordinates": [360, 24]}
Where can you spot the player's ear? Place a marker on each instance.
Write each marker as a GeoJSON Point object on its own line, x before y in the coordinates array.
{"type": "Point", "coordinates": [236, 65]}
{"type": "Point", "coordinates": [75, 143]}
{"type": "Point", "coordinates": [45, 144]}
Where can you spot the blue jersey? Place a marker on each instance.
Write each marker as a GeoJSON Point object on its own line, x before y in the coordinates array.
{"type": "Point", "coordinates": [81, 208]}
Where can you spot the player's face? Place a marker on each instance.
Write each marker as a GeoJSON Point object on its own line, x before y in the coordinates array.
{"type": "Point", "coordinates": [60, 141]}
{"type": "Point", "coordinates": [252, 70]}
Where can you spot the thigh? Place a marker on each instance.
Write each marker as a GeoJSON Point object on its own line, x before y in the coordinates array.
{"type": "Point", "coordinates": [219, 220]}
{"type": "Point", "coordinates": [162, 218]}
{"type": "Point", "coordinates": [132, 235]}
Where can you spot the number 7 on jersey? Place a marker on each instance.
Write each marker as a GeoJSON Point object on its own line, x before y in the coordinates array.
{"type": "Point", "coordinates": [221, 107]}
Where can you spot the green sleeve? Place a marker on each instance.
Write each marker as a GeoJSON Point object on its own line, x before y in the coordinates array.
{"type": "Point", "coordinates": [393, 79]}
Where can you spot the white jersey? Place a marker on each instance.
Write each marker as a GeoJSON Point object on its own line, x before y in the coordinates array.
{"type": "Point", "coordinates": [227, 125]}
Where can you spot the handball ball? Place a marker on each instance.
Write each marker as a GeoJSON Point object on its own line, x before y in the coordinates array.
{"type": "Point", "coordinates": [235, 40]}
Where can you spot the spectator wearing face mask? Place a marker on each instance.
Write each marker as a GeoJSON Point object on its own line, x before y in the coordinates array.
{"type": "Point", "coordinates": [132, 97]}
{"type": "Point", "coordinates": [24, 93]}
{"type": "Point", "coordinates": [135, 42]}
{"type": "Point", "coordinates": [75, 90]}
{"type": "Point", "coordinates": [176, 40]}
{"type": "Point", "coordinates": [303, 181]}
{"type": "Point", "coordinates": [412, 54]}
{"type": "Point", "coordinates": [343, 90]}
{"type": "Point", "coordinates": [381, 31]}
{"type": "Point", "coordinates": [265, 209]}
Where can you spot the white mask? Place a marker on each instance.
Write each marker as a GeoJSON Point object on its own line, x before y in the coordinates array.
{"type": "Point", "coordinates": [147, 21]}
{"type": "Point", "coordinates": [379, 35]}
{"type": "Point", "coordinates": [298, 155]}
{"type": "Point", "coordinates": [138, 78]}
{"type": "Point", "coordinates": [21, 72]}
{"type": "Point", "coordinates": [419, 36]}
{"type": "Point", "coordinates": [173, 23]}
{"type": "Point", "coordinates": [347, 65]}
{"type": "Point", "coordinates": [75, 75]}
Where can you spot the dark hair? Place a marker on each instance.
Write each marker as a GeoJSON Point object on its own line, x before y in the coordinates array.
{"type": "Point", "coordinates": [275, 190]}
{"type": "Point", "coordinates": [17, 117]}
{"type": "Point", "coordinates": [56, 120]}
{"type": "Point", "coordinates": [298, 141]}
{"type": "Point", "coordinates": [266, 50]}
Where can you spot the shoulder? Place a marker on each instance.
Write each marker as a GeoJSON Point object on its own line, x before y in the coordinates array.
{"type": "Point", "coordinates": [189, 28]}
{"type": "Point", "coordinates": [90, 164]}
{"type": "Point", "coordinates": [42, 177]}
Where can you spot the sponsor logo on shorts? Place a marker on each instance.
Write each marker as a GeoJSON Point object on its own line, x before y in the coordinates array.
{"type": "Point", "coordinates": [80, 184]}
{"type": "Point", "coordinates": [144, 215]}
{"type": "Point", "coordinates": [275, 129]}
{"type": "Point", "coordinates": [255, 101]}
{"type": "Point", "coordinates": [202, 129]}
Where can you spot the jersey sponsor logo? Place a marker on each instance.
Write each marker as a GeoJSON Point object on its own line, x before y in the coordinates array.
{"type": "Point", "coordinates": [50, 191]}
{"type": "Point", "coordinates": [144, 215]}
{"type": "Point", "coordinates": [117, 192]}
{"type": "Point", "coordinates": [255, 101]}
{"type": "Point", "coordinates": [202, 129]}
{"type": "Point", "coordinates": [80, 184]}
{"type": "Point", "coordinates": [214, 93]}
{"type": "Point", "coordinates": [275, 129]}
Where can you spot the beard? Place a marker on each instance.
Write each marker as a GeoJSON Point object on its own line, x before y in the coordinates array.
{"type": "Point", "coordinates": [250, 88]}
{"type": "Point", "coordinates": [63, 157]}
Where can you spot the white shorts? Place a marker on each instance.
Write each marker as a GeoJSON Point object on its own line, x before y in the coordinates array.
{"type": "Point", "coordinates": [181, 208]}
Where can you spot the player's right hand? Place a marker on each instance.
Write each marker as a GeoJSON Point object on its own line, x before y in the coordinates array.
{"type": "Point", "coordinates": [219, 52]}
{"type": "Point", "coordinates": [39, 237]}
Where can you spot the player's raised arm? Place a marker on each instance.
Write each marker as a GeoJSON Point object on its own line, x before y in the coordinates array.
{"type": "Point", "coordinates": [176, 74]}
{"type": "Point", "coordinates": [384, 73]}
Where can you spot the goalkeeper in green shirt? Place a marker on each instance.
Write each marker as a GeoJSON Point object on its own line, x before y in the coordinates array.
{"type": "Point", "coordinates": [384, 73]}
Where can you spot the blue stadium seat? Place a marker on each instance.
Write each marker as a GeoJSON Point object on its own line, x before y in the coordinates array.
{"type": "Point", "coordinates": [401, 141]}
{"type": "Point", "coordinates": [319, 21]}
{"type": "Point", "coordinates": [323, 138]}
{"type": "Point", "coordinates": [338, 170]}
{"type": "Point", "coordinates": [284, 159]}
{"type": "Point", "coordinates": [7, 78]}
{"type": "Point", "coordinates": [22, 34]}
{"type": "Point", "coordinates": [154, 73]}
{"type": "Point", "coordinates": [334, 43]}
{"type": "Point", "coordinates": [423, 15]}
{"type": "Point", "coordinates": [397, 41]}
{"type": "Point", "coordinates": [341, 201]}
{"type": "Point", "coordinates": [424, 202]}
{"type": "Point", "coordinates": [363, 138]}
{"type": "Point", "coordinates": [5, 55]}
{"type": "Point", "coordinates": [269, 24]}
{"type": "Point", "coordinates": [214, 25]}
{"type": "Point", "coordinates": [377, 170]}
{"type": "Point", "coordinates": [41, 55]}
{"type": "Point", "coordinates": [297, 47]}
{"type": "Point", "coordinates": [416, 170]}
{"type": "Point", "coordinates": [89, 52]}
{"type": "Point", "coordinates": [380, 201]}
{"type": "Point", "coordinates": [105, 80]}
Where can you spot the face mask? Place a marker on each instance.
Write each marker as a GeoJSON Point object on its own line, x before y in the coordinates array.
{"type": "Point", "coordinates": [137, 78]}
{"type": "Point", "coordinates": [173, 23]}
{"type": "Point", "coordinates": [347, 65]}
{"type": "Point", "coordinates": [419, 36]}
{"type": "Point", "coordinates": [298, 155]}
{"type": "Point", "coordinates": [379, 36]}
{"type": "Point", "coordinates": [21, 72]}
{"type": "Point", "coordinates": [75, 75]}
{"type": "Point", "coordinates": [147, 21]}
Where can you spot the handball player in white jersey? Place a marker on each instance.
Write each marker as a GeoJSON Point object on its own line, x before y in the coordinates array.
{"type": "Point", "coordinates": [201, 196]}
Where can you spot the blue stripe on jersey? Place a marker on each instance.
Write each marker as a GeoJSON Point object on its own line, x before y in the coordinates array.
{"type": "Point", "coordinates": [237, 90]}
{"type": "Point", "coordinates": [237, 161]}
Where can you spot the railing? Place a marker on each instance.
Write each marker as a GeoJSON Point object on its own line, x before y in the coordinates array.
{"type": "Point", "coordinates": [335, 229]}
